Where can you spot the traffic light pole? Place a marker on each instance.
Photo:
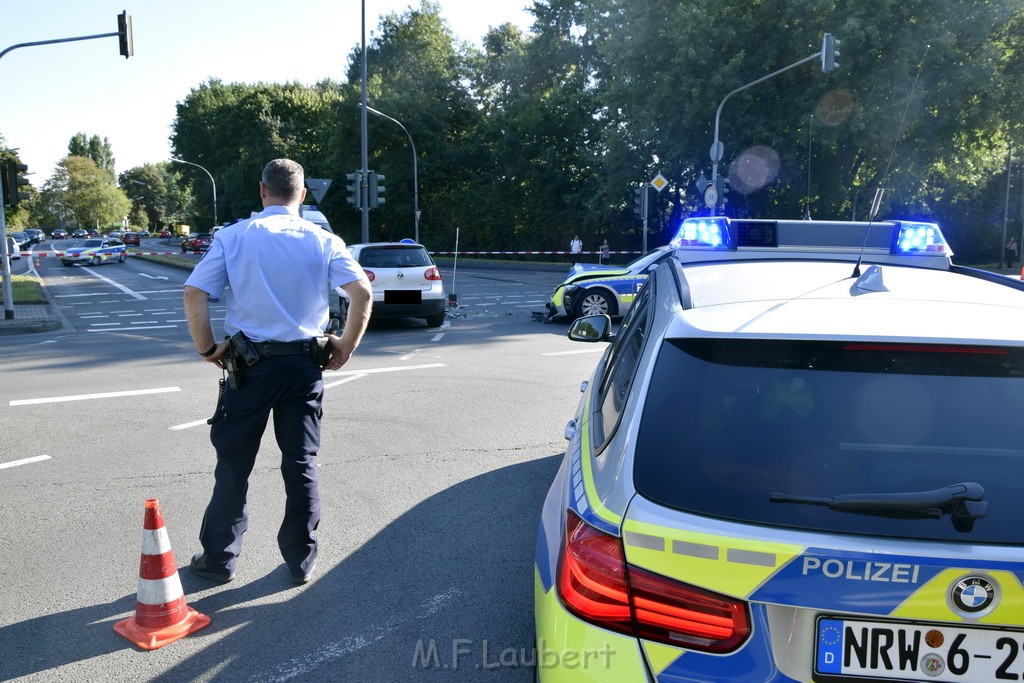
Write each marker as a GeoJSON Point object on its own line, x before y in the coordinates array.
{"type": "Point", "coordinates": [124, 34]}
{"type": "Point", "coordinates": [644, 241]}
{"type": "Point", "coordinates": [364, 189]}
{"type": "Point", "coordinates": [8, 294]}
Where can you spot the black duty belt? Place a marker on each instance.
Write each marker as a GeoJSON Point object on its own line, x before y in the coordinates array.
{"type": "Point", "coordinates": [266, 349]}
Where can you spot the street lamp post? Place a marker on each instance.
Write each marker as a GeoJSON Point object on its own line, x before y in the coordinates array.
{"type": "Point", "coordinates": [212, 181]}
{"type": "Point", "coordinates": [415, 174]}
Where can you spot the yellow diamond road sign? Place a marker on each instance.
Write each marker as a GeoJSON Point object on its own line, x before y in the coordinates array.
{"type": "Point", "coordinates": [659, 182]}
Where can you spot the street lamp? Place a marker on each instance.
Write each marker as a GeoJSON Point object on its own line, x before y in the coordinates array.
{"type": "Point", "coordinates": [415, 176]}
{"type": "Point", "coordinates": [212, 181]}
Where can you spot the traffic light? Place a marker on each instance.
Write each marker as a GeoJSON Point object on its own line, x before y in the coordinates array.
{"type": "Point", "coordinates": [12, 181]}
{"type": "Point", "coordinates": [638, 202]}
{"type": "Point", "coordinates": [829, 53]}
{"type": "Point", "coordinates": [124, 33]}
{"type": "Point", "coordinates": [376, 181]}
{"type": "Point", "coordinates": [722, 185]}
{"type": "Point", "coordinates": [355, 192]}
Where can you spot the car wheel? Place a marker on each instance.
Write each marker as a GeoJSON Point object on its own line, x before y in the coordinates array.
{"type": "Point", "coordinates": [435, 320]}
{"type": "Point", "coordinates": [594, 302]}
{"type": "Point", "coordinates": [96, 260]}
{"type": "Point", "coordinates": [122, 258]}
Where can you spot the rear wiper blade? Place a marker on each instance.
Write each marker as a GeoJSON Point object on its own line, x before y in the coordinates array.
{"type": "Point", "coordinates": [964, 502]}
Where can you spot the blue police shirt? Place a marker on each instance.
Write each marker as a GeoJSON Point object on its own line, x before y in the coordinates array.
{"type": "Point", "coordinates": [277, 269]}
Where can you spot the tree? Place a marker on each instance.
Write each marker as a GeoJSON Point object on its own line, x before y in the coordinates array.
{"type": "Point", "coordinates": [19, 217]}
{"type": "Point", "coordinates": [233, 130]}
{"type": "Point", "coordinates": [93, 148]}
{"type": "Point", "coordinates": [160, 193]}
{"type": "Point", "coordinates": [81, 190]}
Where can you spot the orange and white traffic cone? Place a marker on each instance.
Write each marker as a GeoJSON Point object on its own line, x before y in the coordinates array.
{"type": "Point", "coordinates": [161, 615]}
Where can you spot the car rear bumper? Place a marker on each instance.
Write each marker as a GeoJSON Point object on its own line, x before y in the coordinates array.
{"type": "Point", "coordinates": [425, 308]}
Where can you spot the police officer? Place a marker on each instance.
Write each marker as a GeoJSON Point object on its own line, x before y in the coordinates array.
{"type": "Point", "coordinates": [277, 270]}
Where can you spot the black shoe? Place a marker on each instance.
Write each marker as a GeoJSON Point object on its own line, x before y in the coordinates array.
{"type": "Point", "coordinates": [198, 566]}
{"type": "Point", "coordinates": [302, 579]}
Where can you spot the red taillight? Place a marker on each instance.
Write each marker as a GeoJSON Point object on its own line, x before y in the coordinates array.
{"type": "Point", "coordinates": [675, 613]}
{"type": "Point", "coordinates": [596, 585]}
{"type": "Point", "coordinates": [369, 275]}
{"type": "Point", "coordinates": [592, 576]}
{"type": "Point", "coordinates": [432, 273]}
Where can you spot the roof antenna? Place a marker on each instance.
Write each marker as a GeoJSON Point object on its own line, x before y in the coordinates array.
{"type": "Point", "coordinates": [879, 191]}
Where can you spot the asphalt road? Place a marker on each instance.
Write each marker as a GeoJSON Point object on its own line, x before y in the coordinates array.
{"type": "Point", "coordinates": [439, 445]}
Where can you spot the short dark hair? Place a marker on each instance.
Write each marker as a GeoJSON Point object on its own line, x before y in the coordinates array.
{"type": "Point", "coordinates": [283, 178]}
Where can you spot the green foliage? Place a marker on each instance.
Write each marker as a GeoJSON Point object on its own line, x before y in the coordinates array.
{"type": "Point", "coordinates": [233, 130]}
{"type": "Point", "coordinates": [160, 193]}
{"type": "Point", "coordinates": [82, 191]}
{"type": "Point", "coordinates": [538, 137]}
{"type": "Point", "coordinates": [93, 148]}
{"type": "Point", "coordinates": [19, 217]}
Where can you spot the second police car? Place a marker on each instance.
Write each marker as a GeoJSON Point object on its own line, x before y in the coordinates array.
{"type": "Point", "coordinates": [600, 289]}
{"type": "Point", "coordinates": [799, 459]}
{"type": "Point", "coordinates": [94, 251]}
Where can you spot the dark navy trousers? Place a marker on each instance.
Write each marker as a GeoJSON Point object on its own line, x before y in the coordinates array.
{"type": "Point", "coordinates": [292, 389]}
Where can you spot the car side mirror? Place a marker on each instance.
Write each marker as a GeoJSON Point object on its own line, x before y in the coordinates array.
{"type": "Point", "coordinates": [591, 328]}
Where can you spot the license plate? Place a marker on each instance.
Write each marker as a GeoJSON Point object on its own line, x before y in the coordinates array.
{"type": "Point", "coordinates": [871, 650]}
{"type": "Point", "coordinates": [402, 296]}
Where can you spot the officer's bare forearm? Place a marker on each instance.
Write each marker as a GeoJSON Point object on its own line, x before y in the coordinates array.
{"type": "Point", "coordinates": [360, 297]}
{"type": "Point", "coordinates": [197, 314]}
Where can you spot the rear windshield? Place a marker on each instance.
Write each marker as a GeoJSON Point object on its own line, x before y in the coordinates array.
{"type": "Point", "coordinates": [92, 244]}
{"type": "Point", "coordinates": [398, 256]}
{"type": "Point", "coordinates": [728, 423]}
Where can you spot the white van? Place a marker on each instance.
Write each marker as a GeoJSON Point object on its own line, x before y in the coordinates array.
{"type": "Point", "coordinates": [314, 216]}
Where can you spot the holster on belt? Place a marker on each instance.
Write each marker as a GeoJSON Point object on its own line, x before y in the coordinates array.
{"type": "Point", "coordinates": [320, 350]}
{"type": "Point", "coordinates": [237, 358]}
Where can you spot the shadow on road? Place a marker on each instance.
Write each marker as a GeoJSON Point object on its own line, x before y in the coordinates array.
{"type": "Point", "coordinates": [454, 573]}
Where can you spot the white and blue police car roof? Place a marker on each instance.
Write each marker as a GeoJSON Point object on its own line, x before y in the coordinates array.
{"type": "Point", "coordinates": [796, 280]}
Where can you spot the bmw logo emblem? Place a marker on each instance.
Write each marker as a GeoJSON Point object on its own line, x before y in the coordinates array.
{"type": "Point", "coordinates": [974, 595]}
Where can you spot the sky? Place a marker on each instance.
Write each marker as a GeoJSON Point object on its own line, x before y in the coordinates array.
{"type": "Point", "coordinates": [51, 92]}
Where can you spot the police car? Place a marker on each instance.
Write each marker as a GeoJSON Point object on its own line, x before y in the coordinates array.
{"type": "Point", "coordinates": [95, 251]}
{"type": "Point", "coordinates": [592, 289]}
{"type": "Point", "coordinates": [799, 459]}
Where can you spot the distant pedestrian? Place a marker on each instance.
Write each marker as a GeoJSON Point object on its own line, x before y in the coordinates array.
{"type": "Point", "coordinates": [605, 252]}
{"type": "Point", "coordinates": [1011, 252]}
{"type": "Point", "coordinates": [576, 247]}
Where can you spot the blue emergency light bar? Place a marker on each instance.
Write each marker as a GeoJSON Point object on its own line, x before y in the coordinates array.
{"type": "Point", "coordinates": [919, 239]}
{"type": "Point", "coordinates": [897, 238]}
{"type": "Point", "coordinates": [703, 233]}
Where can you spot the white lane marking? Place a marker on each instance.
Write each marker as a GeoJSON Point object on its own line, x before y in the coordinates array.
{"type": "Point", "coordinates": [189, 424]}
{"type": "Point", "coordinates": [346, 380]}
{"type": "Point", "coordinates": [407, 356]}
{"type": "Point", "coordinates": [23, 461]}
{"type": "Point", "coordinates": [374, 371]}
{"type": "Point", "coordinates": [117, 285]}
{"type": "Point", "coordinates": [151, 327]}
{"type": "Point", "coordinates": [154, 277]}
{"type": "Point", "coordinates": [130, 315]}
{"type": "Point", "coordinates": [437, 337]}
{"type": "Point", "coordinates": [574, 353]}
{"type": "Point", "coordinates": [105, 324]}
{"type": "Point", "coordinates": [85, 397]}
{"type": "Point", "coordinates": [304, 665]}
